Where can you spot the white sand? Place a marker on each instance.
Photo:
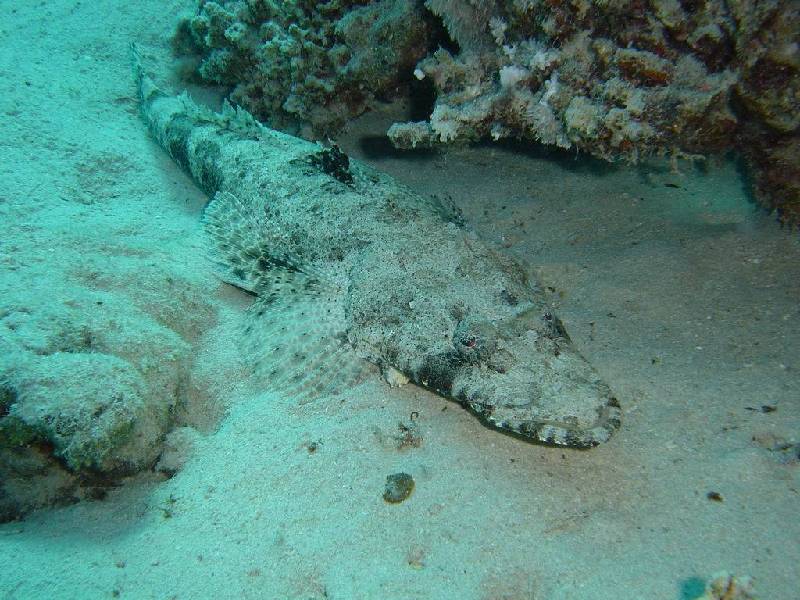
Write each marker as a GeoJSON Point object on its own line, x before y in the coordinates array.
{"type": "Point", "coordinates": [704, 296]}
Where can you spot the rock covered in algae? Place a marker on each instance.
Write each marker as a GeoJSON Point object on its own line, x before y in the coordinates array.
{"type": "Point", "coordinates": [297, 64]}
{"type": "Point", "coordinates": [90, 380]}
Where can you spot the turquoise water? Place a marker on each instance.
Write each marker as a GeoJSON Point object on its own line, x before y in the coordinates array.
{"type": "Point", "coordinates": [157, 467]}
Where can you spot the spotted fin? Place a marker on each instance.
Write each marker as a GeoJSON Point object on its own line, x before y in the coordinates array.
{"type": "Point", "coordinates": [296, 339]}
{"type": "Point", "coordinates": [295, 335]}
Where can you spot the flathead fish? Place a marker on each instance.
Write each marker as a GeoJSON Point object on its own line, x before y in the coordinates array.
{"type": "Point", "coordinates": [347, 265]}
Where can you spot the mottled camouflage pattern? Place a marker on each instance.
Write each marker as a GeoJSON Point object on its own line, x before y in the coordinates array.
{"type": "Point", "coordinates": [368, 269]}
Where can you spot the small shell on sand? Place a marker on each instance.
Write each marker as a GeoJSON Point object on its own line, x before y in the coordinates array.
{"type": "Point", "coordinates": [724, 586]}
{"type": "Point", "coordinates": [398, 487]}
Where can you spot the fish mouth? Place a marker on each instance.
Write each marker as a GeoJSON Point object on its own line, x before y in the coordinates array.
{"type": "Point", "coordinates": [568, 433]}
{"type": "Point", "coordinates": [577, 414]}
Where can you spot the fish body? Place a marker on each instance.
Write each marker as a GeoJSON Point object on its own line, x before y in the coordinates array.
{"type": "Point", "coordinates": [349, 265]}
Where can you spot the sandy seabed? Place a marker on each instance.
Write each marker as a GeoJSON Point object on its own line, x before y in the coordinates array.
{"type": "Point", "coordinates": [683, 295]}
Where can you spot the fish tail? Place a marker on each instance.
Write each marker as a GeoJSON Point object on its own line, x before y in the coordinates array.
{"type": "Point", "coordinates": [192, 135]}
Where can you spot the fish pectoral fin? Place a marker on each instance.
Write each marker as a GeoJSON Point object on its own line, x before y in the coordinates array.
{"type": "Point", "coordinates": [296, 337]}
{"type": "Point", "coordinates": [238, 246]}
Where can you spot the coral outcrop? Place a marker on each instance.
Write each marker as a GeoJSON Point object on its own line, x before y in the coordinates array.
{"type": "Point", "coordinates": [299, 63]}
{"type": "Point", "coordinates": [624, 79]}
{"type": "Point", "coordinates": [618, 79]}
